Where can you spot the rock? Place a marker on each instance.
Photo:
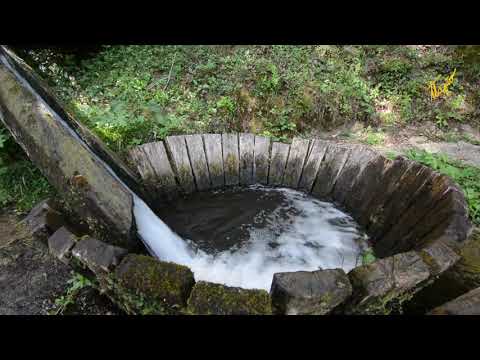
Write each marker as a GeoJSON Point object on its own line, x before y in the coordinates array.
{"type": "Point", "coordinates": [216, 299]}
{"type": "Point", "coordinates": [60, 244]}
{"type": "Point", "coordinates": [467, 304]}
{"type": "Point", "coordinates": [43, 220]}
{"type": "Point", "coordinates": [439, 257]}
{"type": "Point", "coordinates": [145, 285]}
{"type": "Point", "coordinates": [467, 270]}
{"type": "Point", "coordinates": [382, 286]}
{"type": "Point", "coordinates": [457, 279]}
{"type": "Point", "coordinates": [97, 255]}
{"type": "Point", "coordinates": [309, 293]}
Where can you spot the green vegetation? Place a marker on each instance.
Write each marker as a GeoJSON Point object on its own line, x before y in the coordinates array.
{"type": "Point", "coordinates": [368, 256]}
{"type": "Point", "coordinates": [134, 94]}
{"type": "Point", "coordinates": [130, 95]}
{"type": "Point", "coordinates": [467, 177]}
{"type": "Point", "coordinates": [21, 183]}
{"type": "Point", "coordinates": [76, 284]}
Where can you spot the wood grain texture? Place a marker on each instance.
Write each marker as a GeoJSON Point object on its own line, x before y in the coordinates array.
{"type": "Point", "coordinates": [278, 162]}
{"type": "Point", "coordinates": [177, 149]}
{"type": "Point", "coordinates": [213, 152]}
{"type": "Point", "coordinates": [261, 162]}
{"type": "Point", "coordinates": [330, 167]}
{"type": "Point", "coordinates": [315, 156]}
{"type": "Point", "coordinates": [296, 160]}
{"type": "Point", "coordinates": [230, 159]}
{"type": "Point", "coordinates": [246, 143]}
{"type": "Point", "coordinates": [198, 161]}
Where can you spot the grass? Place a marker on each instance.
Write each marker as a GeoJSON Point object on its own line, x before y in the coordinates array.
{"type": "Point", "coordinates": [466, 176]}
{"type": "Point", "coordinates": [22, 185]}
{"type": "Point", "coordinates": [130, 95]}
{"type": "Point", "coordinates": [135, 94]}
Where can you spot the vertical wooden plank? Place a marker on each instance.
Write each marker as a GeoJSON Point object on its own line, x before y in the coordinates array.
{"type": "Point", "coordinates": [177, 148]}
{"type": "Point", "coordinates": [261, 156]}
{"type": "Point", "coordinates": [296, 159]}
{"type": "Point", "coordinates": [278, 163]}
{"type": "Point", "coordinates": [164, 175]}
{"type": "Point", "coordinates": [312, 164]}
{"type": "Point", "coordinates": [246, 144]}
{"type": "Point", "coordinates": [230, 158]}
{"type": "Point", "coordinates": [198, 161]}
{"type": "Point", "coordinates": [213, 152]}
{"type": "Point", "coordinates": [359, 158]}
{"type": "Point", "coordinates": [330, 167]}
{"type": "Point", "coordinates": [139, 159]}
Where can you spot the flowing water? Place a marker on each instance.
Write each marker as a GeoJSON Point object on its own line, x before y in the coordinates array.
{"type": "Point", "coordinates": [284, 230]}
{"type": "Point", "coordinates": [243, 236]}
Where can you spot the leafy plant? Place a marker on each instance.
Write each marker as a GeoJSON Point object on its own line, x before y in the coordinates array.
{"type": "Point", "coordinates": [76, 284]}
{"type": "Point", "coordinates": [373, 137]}
{"type": "Point", "coordinates": [368, 257]}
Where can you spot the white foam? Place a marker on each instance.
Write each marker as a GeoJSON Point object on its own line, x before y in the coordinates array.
{"type": "Point", "coordinates": [307, 241]}
{"type": "Point", "coordinates": [253, 265]}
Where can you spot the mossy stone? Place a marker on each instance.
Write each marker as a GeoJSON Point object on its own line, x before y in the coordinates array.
{"type": "Point", "coordinates": [216, 299]}
{"type": "Point", "coordinates": [144, 282]}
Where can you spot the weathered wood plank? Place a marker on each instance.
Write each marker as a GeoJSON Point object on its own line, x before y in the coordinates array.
{"type": "Point", "coordinates": [164, 175]}
{"type": "Point", "coordinates": [246, 143]}
{"type": "Point", "coordinates": [365, 188]}
{"type": "Point", "coordinates": [231, 163]}
{"type": "Point", "coordinates": [407, 187]}
{"type": "Point", "coordinates": [405, 232]}
{"type": "Point", "coordinates": [139, 159]}
{"type": "Point", "coordinates": [278, 162]}
{"type": "Point", "coordinates": [330, 167]}
{"type": "Point", "coordinates": [261, 155]}
{"type": "Point", "coordinates": [213, 149]}
{"type": "Point", "coordinates": [198, 161]}
{"type": "Point", "coordinates": [177, 149]}
{"type": "Point", "coordinates": [296, 159]}
{"type": "Point", "coordinates": [372, 212]}
{"type": "Point", "coordinates": [359, 157]}
{"type": "Point", "coordinates": [312, 164]}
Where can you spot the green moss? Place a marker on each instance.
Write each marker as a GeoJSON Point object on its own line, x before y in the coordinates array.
{"type": "Point", "coordinates": [216, 299]}
{"type": "Point", "coordinates": [215, 170]}
{"type": "Point", "coordinates": [231, 164]}
{"type": "Point", "coordinates": [184, 175]}
{"type": "Point", "coordinates": [147, 285]}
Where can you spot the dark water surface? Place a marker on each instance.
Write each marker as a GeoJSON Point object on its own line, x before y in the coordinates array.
{"type": "Point", "coordinates": [244, 235]}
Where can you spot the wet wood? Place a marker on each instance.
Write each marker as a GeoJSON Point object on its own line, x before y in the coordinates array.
{"type": "Point", "coordinates": [246, 143]}
{"type": "Point", "coordinates": [157, 154]}
{"type": "Point", "coordinates": [314, 158]}
{"type": "Point", "coordinates": [296, 160]}
{"type": "Point", "coordinates": [261, 161]}
{"type": "Point", "coordinates": [198, 161]}
{"type": "Point", "coordinates": [278, 162]}
{"type": "Point", "coordinates": [213, 151]}
{"type": "Point", "coordinates": [330, 167]}
{"type": "Point", "coordinates": [139, 160]}
{"type": "Point", "coordinates": [230, 158]}
{"type": "Point", "coordinates": [357, 161]}
{"type": "Point", "coordinates": [177, 149]}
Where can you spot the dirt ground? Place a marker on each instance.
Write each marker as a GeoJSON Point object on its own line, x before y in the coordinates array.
{"type": "Point", "coordinates": [31, 279]}
{"type": "Point", "coordinates": [425, 136]}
